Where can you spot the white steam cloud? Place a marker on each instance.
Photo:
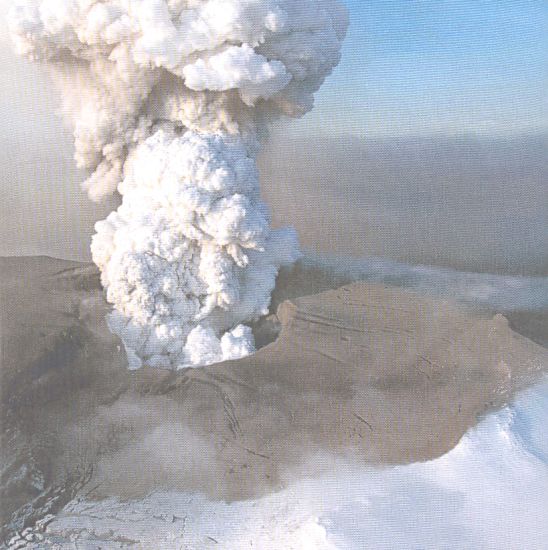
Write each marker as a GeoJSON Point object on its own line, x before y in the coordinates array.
{"type": "Point", "coordinates": [169, 100]}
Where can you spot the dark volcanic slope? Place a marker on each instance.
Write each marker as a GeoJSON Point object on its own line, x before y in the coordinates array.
{"type": "Point", "coordinates": [54, 364]}
{"type": "Point", "coordinates": [377, 372]}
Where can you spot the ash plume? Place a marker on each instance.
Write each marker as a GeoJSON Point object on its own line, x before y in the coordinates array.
{"type": "Point", "coordinates": [169, 101]}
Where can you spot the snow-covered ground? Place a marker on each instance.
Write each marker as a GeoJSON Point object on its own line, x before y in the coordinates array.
{"type": "Point", "coordinates": [490, 491]}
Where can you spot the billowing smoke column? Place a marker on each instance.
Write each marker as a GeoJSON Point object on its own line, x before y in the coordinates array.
{"type": "Point", "coordinates": [169, 100]}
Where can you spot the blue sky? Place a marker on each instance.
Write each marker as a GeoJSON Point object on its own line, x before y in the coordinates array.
{"type": "Point", "coordinates": [438, 67]}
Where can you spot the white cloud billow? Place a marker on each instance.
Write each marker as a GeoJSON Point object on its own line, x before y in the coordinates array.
{"type": "Point", "coordinates": [168, 100]}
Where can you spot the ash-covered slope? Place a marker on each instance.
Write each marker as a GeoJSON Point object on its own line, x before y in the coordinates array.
{"type": "Point", "coordinates": [488, 492]}
{"type": "Point", "coordinates": [381, 373]}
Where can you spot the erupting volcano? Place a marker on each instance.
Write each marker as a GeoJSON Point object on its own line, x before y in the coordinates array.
{"type": "Point", "coordinates": [170, 100]}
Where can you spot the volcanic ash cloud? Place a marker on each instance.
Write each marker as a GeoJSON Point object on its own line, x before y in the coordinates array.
{"type": "Point", "coordinates": [169, 100]}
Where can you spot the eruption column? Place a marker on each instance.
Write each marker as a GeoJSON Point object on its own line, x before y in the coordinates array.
{"type": "Point", "coordinates": [189, 253]}
{"type": "Point", "coordinates": [169, 100]}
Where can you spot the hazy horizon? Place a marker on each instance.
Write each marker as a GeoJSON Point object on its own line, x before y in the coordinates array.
{"type": "Point", "coordinates": [470, 203]}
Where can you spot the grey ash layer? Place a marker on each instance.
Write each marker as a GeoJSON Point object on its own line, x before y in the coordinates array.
{"type": "Point", "coordinates": [380, 373]}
